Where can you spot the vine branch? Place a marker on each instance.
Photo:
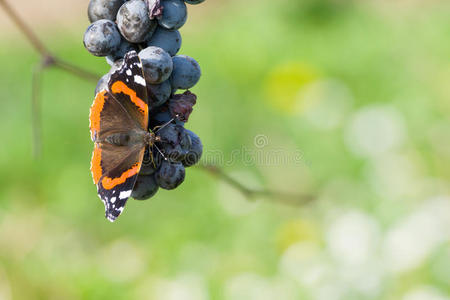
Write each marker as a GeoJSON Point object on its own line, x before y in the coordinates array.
{"type": "Point", "coordinates": [50, 60]}
{"type": "Point", "coordinates": [47, 58]}
{"type": "Point", "coordinates": [279, 196]}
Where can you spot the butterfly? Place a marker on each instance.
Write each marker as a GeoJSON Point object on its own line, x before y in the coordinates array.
{"type": "Point", "coordinates": [118, 122]}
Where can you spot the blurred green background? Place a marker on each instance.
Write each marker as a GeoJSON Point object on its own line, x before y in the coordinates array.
{"type": "Point", "coordinates": [348, 100]}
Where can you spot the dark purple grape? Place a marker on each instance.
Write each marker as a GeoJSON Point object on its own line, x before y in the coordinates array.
{"type": "Point", "coordinates": [102, 38]}
{"type": "Point", "coordinates": [145, 187]}
{"type": "Point", "coordinates": [169, 40]}
{"type": "Point", "coordinates": [159, 93]}
{"type": "Point", "coordinates": [195, 151]}
{"type": "Point", "coordinates": [103, 9]}
{"type": "Point", "coordinates": [157, 64]}
{"type": "Point", "coordinates": [186, 72]}
{"type": "Point", "coordinates": [170, 175]}
{"type": "Point", "coordinates": [134, 22]}
{"type": "Point", "coordinates": [174, 14]}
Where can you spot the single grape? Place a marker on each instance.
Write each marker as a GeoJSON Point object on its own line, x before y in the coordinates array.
{"type": "Point", "coordinates": [174, 14]}
{"type": "Point", "coordinates": [102, 38]}
{"type": "Point", "coordinates": [170, 175]}
{"type": "Point", "coordinates": [157, 64]}
{"type": "Point", "coordinates": [195, 151]}
{"type": "Point", "coordinates": [169, 40]}
{"type": "Point", "coordinates": [186, 72]}
{"type": "Point", "coordinates": [103, 9]}
{"type": "Point", "coordinates": [123, 49]}
{"type": "Point", "coordinates": [159, 93]}
{"type": "Point", "coordinates": [194, 1]}
{"type": "Point", "coordinates": [145, 187]}
{"type": "Point", "coordinates": [134, 22]}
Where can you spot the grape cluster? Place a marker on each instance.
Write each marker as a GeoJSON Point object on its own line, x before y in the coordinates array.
{"type": "Point", "coordinates": [150, 27]}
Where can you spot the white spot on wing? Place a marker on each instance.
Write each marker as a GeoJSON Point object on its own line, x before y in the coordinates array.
{"type": "Point", "coordinates": [139, 79]}
{"type": "Point", "coordinates": [129, 72]}
{"type": "Point", "coordinates": [125, 194]}
{"type": "Point", "coordinates": [113, 199]}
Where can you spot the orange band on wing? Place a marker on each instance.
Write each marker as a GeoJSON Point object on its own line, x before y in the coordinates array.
{"type": "Point", "coordinates": [96, 109]}
{"type": "Point", "coordinates": [121, 87]}
{"type": "Point", "coordinates": [96, 168]}
{"type": "Point", "coordinates": [109, 183]}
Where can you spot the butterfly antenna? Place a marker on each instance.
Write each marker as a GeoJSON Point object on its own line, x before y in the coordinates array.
{"type": "Point", "coordinates": [165, 124]}
{"type": "Point", "coordinates": [160, 152]}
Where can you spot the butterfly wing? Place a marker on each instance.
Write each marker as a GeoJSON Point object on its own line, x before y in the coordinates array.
{"type": "Point", "coordinates": [121, 110]}
{"type": "Point", "coordinates": [115, 180]}
{"type": "Point", "coordinates": [128, 86]}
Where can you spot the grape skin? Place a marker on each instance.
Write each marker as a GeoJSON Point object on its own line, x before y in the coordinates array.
{"type": "Point", "coordinates": [174, 14]}
{"type": "Point", "coordinates": [157, 64]}
{"type": "Point", "coordinates": [159, 93]}
{"type": "Point", "coordinates": [168, 40]}
{"type": "Point", "coordinates": [134, 22]}
{"type": "Point", "coordinates": [195, 152]}
{"type": "Point", "coordinates": [102, 38]}
{"type": "Point", "coordinates": [103, 9]}
{"type": "Point", "coordinates": [145, 187]}
{"type": "Point", "coordinates": [170, 175]}
{"type": "Point", "coordinates": [186, 72]}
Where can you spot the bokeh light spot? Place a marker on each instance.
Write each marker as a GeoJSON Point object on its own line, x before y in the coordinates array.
{"type": "Point", "coordinates": [284, 82]}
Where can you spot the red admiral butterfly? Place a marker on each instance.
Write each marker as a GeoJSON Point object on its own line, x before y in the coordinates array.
{"type": "Point", "coordinates": [119, 129]}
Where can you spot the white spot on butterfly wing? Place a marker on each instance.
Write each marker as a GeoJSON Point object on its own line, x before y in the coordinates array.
{"type": "Point", "coordinates": [125, 195]}
{"type": "Point", "coordinates": [139, 80]}
{"type": "Point", "coordinates": [129, 73]}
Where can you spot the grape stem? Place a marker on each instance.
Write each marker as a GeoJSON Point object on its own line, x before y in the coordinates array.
{"type": "Point", "coordinates": [252, 194]}
{"type": "Point", "coordinates": [50, 60]}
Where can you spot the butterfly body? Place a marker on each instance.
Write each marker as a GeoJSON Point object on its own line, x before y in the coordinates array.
{"type": "Point", "coordinates": [119, 130]}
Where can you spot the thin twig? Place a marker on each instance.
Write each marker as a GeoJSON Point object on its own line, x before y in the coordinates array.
{"type": "Point", "coordinates": [35, 110]}
{"type": "Point", "coordinates": [282, 197]}
{"type": "Point", "coordinates": [75, 70]}
{"type": "Point", "coordinates": [34, 40]}
{"type": "Point", "coordinates": [49, 60]}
